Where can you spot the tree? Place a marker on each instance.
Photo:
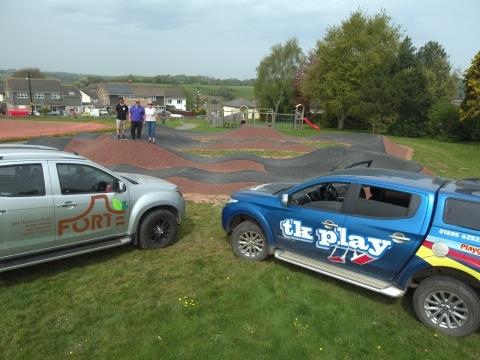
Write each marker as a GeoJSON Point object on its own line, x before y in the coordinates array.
{"type": "Point", "coordinates": [275, 75]}
{"type": "Point", "coordinates": [345, 59]}
{"type": "Point", "coordinates": [442, 80]}
{"type": "Point", "coordinates": [35, 73]}
{"type": "Point", "coordinates": [189, 103]}
{"type": "Point", "coordinates": [412, 94]}
{"type": "Point", "coordinates": [470, 106]}
{"type": "Point", "coordinates": [379, 93]}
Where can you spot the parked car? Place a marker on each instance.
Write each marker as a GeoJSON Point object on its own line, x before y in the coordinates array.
{"type": "Point", "coordinates": [65, 113]}
{"type": "Point", "coordinates": [165, 113]}
{"type": "Point", "coordinates": [201, 116]}
{"type": "Point", "coordinates": [383, 230]}
{"type": "Point", "coordinates": [53, 113]}
{"type": "Point", "coordinates": [36, 113]}
{"type": "Point", "coordinates": [56, 204]}
{"type": "Point", "coordinates": [176, 115]}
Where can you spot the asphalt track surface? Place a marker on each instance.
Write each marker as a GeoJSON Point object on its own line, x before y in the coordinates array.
{"type": "Point", "coordinates": [221, 175]}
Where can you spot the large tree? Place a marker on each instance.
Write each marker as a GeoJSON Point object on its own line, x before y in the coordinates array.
{"type": "Point", "coordinates": [276, 73]}
{"type": "Point", "coordinates": [35, 73]}
{"type": "Point", "coordinates": [438, 69]}
{"type": "Point", "coordinates": [470, 106]}
{"type": "Point", "coordinates": [346, 57]}
{"type": "Point", "coordinates": [412, 95]}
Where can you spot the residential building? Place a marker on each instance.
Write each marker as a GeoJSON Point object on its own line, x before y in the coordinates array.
{"type": "Point", "coordinates": [40, 93]}
{"type": "Point", "coordinates": [108, 94]}
{"type": "Point", "coordinates": [241, 105]}
{"type": "Point", "coordinates": [175, 98]}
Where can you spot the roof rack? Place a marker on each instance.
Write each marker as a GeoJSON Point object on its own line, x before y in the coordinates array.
{"type": "Point", "coordinates": [26, 147]}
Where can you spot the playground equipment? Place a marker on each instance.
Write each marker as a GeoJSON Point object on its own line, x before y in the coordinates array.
{"type": "Point", "coordinates": [294, 121]}
{"type": "Point", "coordinates": [316, 127]}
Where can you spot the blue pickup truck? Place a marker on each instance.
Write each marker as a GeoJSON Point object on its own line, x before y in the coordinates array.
{"type": "Point", "coordinates": [384, 230]}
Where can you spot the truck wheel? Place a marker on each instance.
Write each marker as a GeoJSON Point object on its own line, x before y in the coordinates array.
{"type": "Point", "coordinates": [248, 242]}
{"type": "Point", "coordinates": [158, 230]}
{"type": "Point", "coordinates": [448, 305]}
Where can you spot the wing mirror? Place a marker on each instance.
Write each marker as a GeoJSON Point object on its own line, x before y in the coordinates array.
{"type": "Point", "coordinates": [285, 199]}
{"type": "Point", "coordinates": [121, 187]}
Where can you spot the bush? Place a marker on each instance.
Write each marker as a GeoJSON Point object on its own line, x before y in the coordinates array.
{"type": "Point", "coordinates": [409, 127]}
{"type": "Point", "coordinates": [444, 121]}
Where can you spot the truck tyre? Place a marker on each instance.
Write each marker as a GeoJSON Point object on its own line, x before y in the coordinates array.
{"type": "Point", "coordinates": [249, 242]}
{"type": "Point", "coordinates": [157, 230]}
{"type": "Point", "coordinates": [448, 305]}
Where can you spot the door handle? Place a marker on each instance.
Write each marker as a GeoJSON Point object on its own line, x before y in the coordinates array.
{"type": "Point", "coordinates": [67, 205]}
{"type": "Point", "coordinates": [399, 237]}
{"type": "Point", "coordinates": [329, 224]}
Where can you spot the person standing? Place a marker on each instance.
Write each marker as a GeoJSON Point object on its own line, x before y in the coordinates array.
{"type": "Point", "coordinates": [137, 119]}
{"type": "Point", "coordinates": [122, 111]}
{"type": "Point", "coordinates": [151, 119]}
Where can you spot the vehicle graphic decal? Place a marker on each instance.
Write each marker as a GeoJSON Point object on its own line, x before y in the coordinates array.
{"type": "Point", "coordinates": [84, 222]}
{"type": "Point", "coordinates": [365, 249]}
{"type": "Point", "coordinates": [460, 258]}
{"type": "Point", "coordinates": [119, 205]}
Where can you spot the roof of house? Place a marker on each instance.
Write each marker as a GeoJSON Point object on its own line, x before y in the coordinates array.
{"type": "Point", "coordinates": [119, 89]}
{"type": "Point", "coordinates": [215, 107]}
{"type": "Point", "coordinates": [174, 94]}
{"type": "Point", "coordinates": [147, 90]}
{"type": "Point", "coordinates": [91, 93]}
{"type": "Point", "coordinates": [70, 90]}
{"type": "Point", "coordinates": [38, 85]}
{"type": "Point", "coordinates": [240, 102]}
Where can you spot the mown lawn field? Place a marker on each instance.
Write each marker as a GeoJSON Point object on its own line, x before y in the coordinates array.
{"type": "Point", "coordinates": [196, 300]}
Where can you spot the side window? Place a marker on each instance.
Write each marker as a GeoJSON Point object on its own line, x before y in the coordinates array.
{"type": "Point", "coordinates": [386, 203]}
{"type": "Point", "coordinates": [80, 179]}
{"type": "Point", "coordinates": [324, 196]}
{"type": "Point", "coordinates": [462, 213]}
{"type": "Point", "coordinates": [22, 180]}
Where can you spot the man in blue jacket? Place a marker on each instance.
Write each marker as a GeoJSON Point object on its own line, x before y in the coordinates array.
{"type": "Point", "coordinates": [137, 119]}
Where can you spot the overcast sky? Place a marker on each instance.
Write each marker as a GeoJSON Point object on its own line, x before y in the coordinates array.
{"type": "Point", "coordinates": [218, 38]}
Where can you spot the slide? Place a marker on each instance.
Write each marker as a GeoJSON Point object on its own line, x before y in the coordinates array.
{"type": "Point", "coordinates": [311, 124]}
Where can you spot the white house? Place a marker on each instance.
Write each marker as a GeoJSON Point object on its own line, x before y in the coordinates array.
{"type": "Point", "coordinates": [177, 98]}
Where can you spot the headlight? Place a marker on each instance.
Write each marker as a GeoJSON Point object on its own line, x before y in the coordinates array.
{"type": "Point", "coordinates": [231, 201]}
{"type": "Point", "coordinates": [179, 192]}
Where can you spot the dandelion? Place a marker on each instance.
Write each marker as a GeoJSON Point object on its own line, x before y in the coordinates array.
{"type": "Point", "coordinates": [71, 352]}
{"type": "Point", "coordinates": [378, 347]}
{"type": "Point", "coordinates": [320, 349]}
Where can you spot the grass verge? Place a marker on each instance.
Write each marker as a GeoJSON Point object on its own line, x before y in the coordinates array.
{"type": "Point", "coordinates": [196, 300]}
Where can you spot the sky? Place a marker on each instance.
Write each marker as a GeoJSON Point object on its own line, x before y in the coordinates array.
{"type": "Point", "coordinates": [221, 39]}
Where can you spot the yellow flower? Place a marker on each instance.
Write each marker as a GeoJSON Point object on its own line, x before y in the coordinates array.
{"type": "Point", "coordinates": [378, 347]}
{"type": "Point", "coordinates": [321, 349]}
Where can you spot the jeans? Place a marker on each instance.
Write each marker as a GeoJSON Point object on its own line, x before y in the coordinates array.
{"type": "Point", "coordinates": [136, 125]}
{"type": "Point", "coordinates": [151, 129]}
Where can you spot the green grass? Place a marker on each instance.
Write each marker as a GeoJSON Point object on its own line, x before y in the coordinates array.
{"type": "Point", "coordinates": [205, 90]}
{"type": "Point", "coordinates": [452, 160]}
{"type": "Point", "coordinates": [196, 300]}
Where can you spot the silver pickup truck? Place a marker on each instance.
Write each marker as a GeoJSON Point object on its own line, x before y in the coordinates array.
{"type": "Point", "coordinates": [55, 204]}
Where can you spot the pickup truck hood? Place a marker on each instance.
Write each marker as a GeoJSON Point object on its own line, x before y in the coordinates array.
{"type": "Point", "coordinates": [145, 179]}
{"type": "Point", "coordinates": [271, 188]}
